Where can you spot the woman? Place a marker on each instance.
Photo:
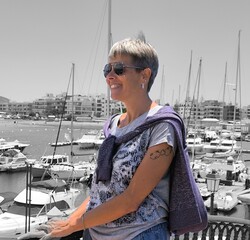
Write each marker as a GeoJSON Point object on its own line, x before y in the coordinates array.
{"type": "Point", "coordinates": [129, 198]}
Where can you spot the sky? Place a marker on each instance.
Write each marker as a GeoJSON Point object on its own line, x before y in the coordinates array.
{"type": "Point", "coordinates": [40, 39]}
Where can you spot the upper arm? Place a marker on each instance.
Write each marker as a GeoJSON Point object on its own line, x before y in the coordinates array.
{"type": "Point", "coordinates": [153, 167]}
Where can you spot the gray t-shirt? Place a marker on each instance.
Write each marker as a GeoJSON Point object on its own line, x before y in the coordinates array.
{"type": "Point", "coordinates": [154, 209]}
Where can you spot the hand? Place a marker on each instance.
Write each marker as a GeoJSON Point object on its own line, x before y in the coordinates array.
{"type": "Point", "coordinates": [43, 232]}
{"type": "Point", "coordinates": [54, 229]}
{"type": "Point", "coordinates": [37, 234]}
{"type": "Point", "coordinates": [62, 228]}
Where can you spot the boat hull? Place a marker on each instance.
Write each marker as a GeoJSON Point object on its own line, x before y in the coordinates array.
{"type": "Point", "coordinates": [12, 222]}
{"type": "Point", "coordinates": [38, 172]}
{"type": "Point", "coordinates": [195, 148]}
{"type": "Point", "coordinates": [75, 171]}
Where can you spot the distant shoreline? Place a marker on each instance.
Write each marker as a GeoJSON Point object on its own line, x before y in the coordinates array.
{"type": "Point", "coordinates": [84, 124]}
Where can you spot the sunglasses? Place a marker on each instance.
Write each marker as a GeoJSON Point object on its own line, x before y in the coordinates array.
{"type": "Point", "coordinates": [119, 68]}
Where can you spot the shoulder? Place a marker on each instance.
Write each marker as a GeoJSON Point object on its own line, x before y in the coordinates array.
{"type": "Point", "coordinates": [163, 133]}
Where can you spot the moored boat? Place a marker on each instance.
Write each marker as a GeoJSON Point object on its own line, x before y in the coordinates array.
{"type": "Point", "coordinates": [41, 168]}
{"type": "Point", "coordinates": [194, 143]}
{"type": "Point", "coordinates": [12, 160]}
{"type": "Point", "coordinates": [221, 145]}
{"type": "Point", "coordinates": [245, 198]}
{"type": "Point", "coordinates": [45, 195]}
{"type": "Point", "coordinates": [223, 201]}
{"type": "Point", "coordinates": [6, 198]}
{"type": "Point", "coordinates": [5, 145]}
{"type": "Point", "coordinates": [90, 139]}
{"type": "Point", "coordinates": [75, 171]}
{"type": "Point", "coordinates": [247, 138]}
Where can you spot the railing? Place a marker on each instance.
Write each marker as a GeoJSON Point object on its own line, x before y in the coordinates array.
{"type": "Point", "coordinates": [219, 228]}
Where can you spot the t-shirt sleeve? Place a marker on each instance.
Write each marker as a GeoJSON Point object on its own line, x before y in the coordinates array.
{"type": "Point", "coordinates": [162, 133]}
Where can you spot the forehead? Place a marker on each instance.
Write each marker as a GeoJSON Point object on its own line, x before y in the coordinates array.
{"type": "Point", "coordinates": [121, 58]}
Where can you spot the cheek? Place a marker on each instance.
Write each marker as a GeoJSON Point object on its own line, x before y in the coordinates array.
{"type": "Point", "coordinates": [107, 81]}
{"type": "Point", "coordinates": [134, 83]}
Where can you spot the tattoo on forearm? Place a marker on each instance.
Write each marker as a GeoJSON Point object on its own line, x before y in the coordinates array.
{"type": "Point", "coordinates": [164, 152]}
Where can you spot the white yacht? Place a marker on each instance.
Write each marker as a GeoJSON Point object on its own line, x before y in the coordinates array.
{"type": "Point", "coordinates": [221, 145]}
{"type": "Point", "coordinates": [12, 160]}
{"type": "Point", "coordinates": [91, 139]}
{"type": "Point", "coordinates": [45, 195]}
{"type": "Point", "coordinates": [76, 171]}
{"type": "Point", "coordinates": [5, 145]}
{"type": "Point", "coordinates": [194, 143]}
{"type": "Point", "coordinates": [39, 167]}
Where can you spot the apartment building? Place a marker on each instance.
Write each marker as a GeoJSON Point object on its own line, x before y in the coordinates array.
{"type": "Point", "coordinates": [96, 106]}
{"type": "Point", "coordinates": [4, 104]}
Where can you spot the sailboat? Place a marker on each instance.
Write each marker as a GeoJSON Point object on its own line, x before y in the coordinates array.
{"type": "Point", "coordinates": [222, 151]}
{"type": "Point", "coordinates": [237, 84]}
{"type": "Point", "coordinates": [70, 170]}
{"type": "Point", "coordinates": [67, 141]}
{"type": "Point", "coordinates": [194, 142]}
{"type": "Point", "coordinates": [227, 143]}
{"type": "Point", "coordinates": [83, 170]}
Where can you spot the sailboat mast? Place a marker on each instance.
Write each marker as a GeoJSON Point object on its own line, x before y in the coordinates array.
{"type": "Point", "coordinates": [237, 80]}
{"type": "Point", "coordinates": [179, 94]}
{"type": "Point", "coordinates": [198, 88]}
{"type": "Point", "coordinates": [162, 99]}
{"type": "Point", "coordinates": [189, 78]}
{"type": "Point", "coordinates": [109, 46]}
{"type": "Point", "coordinates": [172, 100]}
{"type": "Point", "coordinates": [72, 113]}
{"type": "Point", "coordinates": [197, 107]}
{"type": "Point", "coordinates": [224, 90]}
{"type": "Point", "coordinates": [187, 93]}
{"type": "Point", "coordinates": [109, 25]}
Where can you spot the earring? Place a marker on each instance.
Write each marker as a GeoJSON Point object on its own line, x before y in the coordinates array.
{"type": "Point", "coordinates": [142, 86]}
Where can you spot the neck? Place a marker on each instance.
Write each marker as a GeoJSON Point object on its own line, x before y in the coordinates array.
{"type": "Point", "coordinates": [135, 111]}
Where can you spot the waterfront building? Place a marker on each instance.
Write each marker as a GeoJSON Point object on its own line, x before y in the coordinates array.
{"type": "Point", "coordinates": [20, 108]}
{"type": "Point", "coordinates": [4, 104]}
{"type": "Point", "coordinates": [212, 109]}
{"type": "Point", "coordinates": [228, 113]}
{"type": "Point", "coordinates": [191, 112]}
{"type": "Point", "coordinates": [100, 107]}
{"type": "Point", "coordinates": [210, 123]}
{"type": "Point", "coordinates": [248, 112]}
{"type": "Point", "coordinates": [15, 109]}
{"type": "Point", "coordinates": [82, 106]}
{"type": "Point", "coordinates": [48, 105]}
{"type": "Point", "coordinates": [96, 106]}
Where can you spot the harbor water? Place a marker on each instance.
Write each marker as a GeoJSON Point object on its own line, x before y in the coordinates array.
{"type": "Point", "coordinates": [40, 134]}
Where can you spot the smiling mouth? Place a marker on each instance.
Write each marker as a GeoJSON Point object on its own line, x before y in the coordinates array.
{"type": "Point", "coordinates": [114, 86]}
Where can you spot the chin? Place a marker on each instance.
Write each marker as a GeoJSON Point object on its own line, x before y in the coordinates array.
{"type": "Point", "coordinates": [115, 97]}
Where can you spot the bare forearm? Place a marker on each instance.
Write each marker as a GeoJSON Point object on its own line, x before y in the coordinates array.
{"type": "Point", "coordinates": [80, 210]}
{"type": "Point", "coordinates": [73, 224]}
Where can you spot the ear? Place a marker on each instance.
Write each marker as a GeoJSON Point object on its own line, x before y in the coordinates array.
{"type": "Point", "coordinates": [146, 73]}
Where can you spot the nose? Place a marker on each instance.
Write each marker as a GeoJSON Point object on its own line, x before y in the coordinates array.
{"type": "Point", "coordinates": [111, 74]}
{"type": "Point", "coordinates": [110, 77]}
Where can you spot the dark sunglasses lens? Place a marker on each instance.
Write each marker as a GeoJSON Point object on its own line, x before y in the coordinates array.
{"type": "Point", "coordinates": [118, 68]}
{"type": "Point", "coordinates": [107, 69]}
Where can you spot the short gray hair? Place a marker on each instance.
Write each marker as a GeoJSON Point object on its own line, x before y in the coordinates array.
{"type": "Point", "coordinates": [142, 54]}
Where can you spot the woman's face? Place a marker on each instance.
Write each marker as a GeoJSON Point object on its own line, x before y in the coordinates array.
{"type": "Point", "coordinates": [124, 86]}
